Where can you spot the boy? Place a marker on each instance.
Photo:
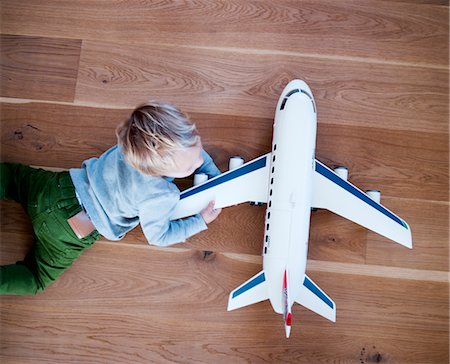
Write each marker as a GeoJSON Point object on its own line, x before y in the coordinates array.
{"type": "Point", "coordinates": [131, 183]}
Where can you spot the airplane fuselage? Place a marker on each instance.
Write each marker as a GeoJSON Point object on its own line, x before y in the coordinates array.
{"type": "Point", "coordinates": [290, 194]}
{"type": "Point", "coordinates": [291, 181]}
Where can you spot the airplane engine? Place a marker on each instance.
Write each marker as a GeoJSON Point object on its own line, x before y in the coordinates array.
{"type": "Point", "coordinates": [200, 178]}
{"type": "Point", "coordinates": [374, 195]}
{"type": "Point", "coordinates": [235, 162]}
{"type": "Point", "coordinates": [342, 172]}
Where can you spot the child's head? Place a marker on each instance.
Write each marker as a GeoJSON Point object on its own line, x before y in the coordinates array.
{"type": "Point", "coordinates": [158, 139]}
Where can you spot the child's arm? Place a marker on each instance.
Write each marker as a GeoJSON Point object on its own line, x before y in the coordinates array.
{"type": "Point", "coordinates": [154, 216]}
{"type": "Point", "coordinates": [208, 167]}
{"type": "Point", "coordinates": [154, 213]}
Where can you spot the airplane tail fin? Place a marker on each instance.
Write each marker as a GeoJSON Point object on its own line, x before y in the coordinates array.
{"type": "Point", "coordinates": [313, 298]}
{"type": "Point", "coordinates": [250, 292]}
{"type": "Point", "coordinates": [287, 307]}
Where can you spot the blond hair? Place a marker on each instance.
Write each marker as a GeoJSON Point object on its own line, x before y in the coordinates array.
{"type": "Point", "coordinates": [152, 134]}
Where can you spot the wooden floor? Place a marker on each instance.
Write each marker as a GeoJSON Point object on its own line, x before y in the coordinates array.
{"type": "Point", "coordinates": [72, 70]}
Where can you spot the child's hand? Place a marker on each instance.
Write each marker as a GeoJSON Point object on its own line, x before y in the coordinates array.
{"type": "Point", "coordinates": [209, 214]}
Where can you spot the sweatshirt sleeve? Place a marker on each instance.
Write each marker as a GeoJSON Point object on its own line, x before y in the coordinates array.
{"type": "Point", "coordinates": [208, 167]}
{"type": "Point", "coordinates": [154, 217]}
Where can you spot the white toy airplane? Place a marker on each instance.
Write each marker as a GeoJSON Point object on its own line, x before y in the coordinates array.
{"type": "Point", "coordinates": [291, 181]}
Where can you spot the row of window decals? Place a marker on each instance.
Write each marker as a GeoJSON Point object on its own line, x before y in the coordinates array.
{"type": "Point", "coordinates": [270, 201]}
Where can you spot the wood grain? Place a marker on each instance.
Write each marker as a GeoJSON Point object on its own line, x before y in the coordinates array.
{"type": "Point", "coordinates": [175, 310]}
{"type": "Point", "coordinates": [71, 71]}
{"type": "Point", "coordinates": [56, 135]}
{"type": "Point", "coordinates": [431, 2]}
{"type": "Point", "coordinates": [429, 226]}
{"type": "Point", "coordinates": [336, 255]}
{"type": "Point", "coordinates": [240, 230]}
{"type": "Point", "coordinates": [405, 164]}
{"type": "Point", "coordinates": [374, 30]}
{"type": "Point", "coordinates": [38, 67]}
{"type": "Point", "coordinates": [396, 162]}
{"type": "Point", "coordinates": [214, 81]}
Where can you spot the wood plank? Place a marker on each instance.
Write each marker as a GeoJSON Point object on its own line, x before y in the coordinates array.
{"type": "Point", "coordinates": [213, 81]}
{"type": "Point", "coordinates": [332, 238]}
{"type": "Point", "coordinates": [345, 243]}
{"type": "Point", "coordinates": [16, 244]}
{"type": "Point", "coordinates": [65, 136]}
{"type": "Point", "coordinates": [396, 162]}
{"type": "Point", "coordinates": [181, 317]}
{"type": "Point", "coordinates": [389, 31]}
{"type": "Point", "coordinates": [39, 67]}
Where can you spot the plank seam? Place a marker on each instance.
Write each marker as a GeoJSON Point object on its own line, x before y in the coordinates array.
{"type": "Point", "coordinates": [437, 202]}
{"type": "Point", "coordinates": [313, 55]}
{"type": "Point", "coordinates": [270, 52]}
{"type": "Point", "coordinates": [318, 265]}
{"type": "Point", "coordinates": [76, 103]}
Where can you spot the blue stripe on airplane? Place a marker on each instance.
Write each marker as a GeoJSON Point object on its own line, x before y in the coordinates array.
{"type": "Point", "coordinates": [312, 287]}
{"type": "Point", "coordinates": [259, 279]}
{"type": "Point", "coordinates": [253, 166]}
{"type": "Point", "coordinates": [362, 196]}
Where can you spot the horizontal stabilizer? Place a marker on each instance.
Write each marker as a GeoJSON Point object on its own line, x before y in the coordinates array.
{"type": "Point", "coordinates": [333, 193]}
{"type": "Point", "coordinates": [252, 291]}
{"type": "Point", "coordinates": [313, 298]}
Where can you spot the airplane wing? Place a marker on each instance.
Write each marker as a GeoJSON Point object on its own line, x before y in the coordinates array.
{"type": "Point", "coordinates": [249, 182]}
{"type": "Point", "coordinates": [333, 193]}
{"type": "Point", "coordinates": [313, 298]}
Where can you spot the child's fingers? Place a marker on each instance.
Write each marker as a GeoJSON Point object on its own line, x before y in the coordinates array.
{"type": "Point", "coordinates": [210, 213]}
{"type": "Point", "coordinates": [216, 212]}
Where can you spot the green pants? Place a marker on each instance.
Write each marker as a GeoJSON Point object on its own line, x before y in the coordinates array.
{"type": "Point", "coordinates": [49, 199]}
